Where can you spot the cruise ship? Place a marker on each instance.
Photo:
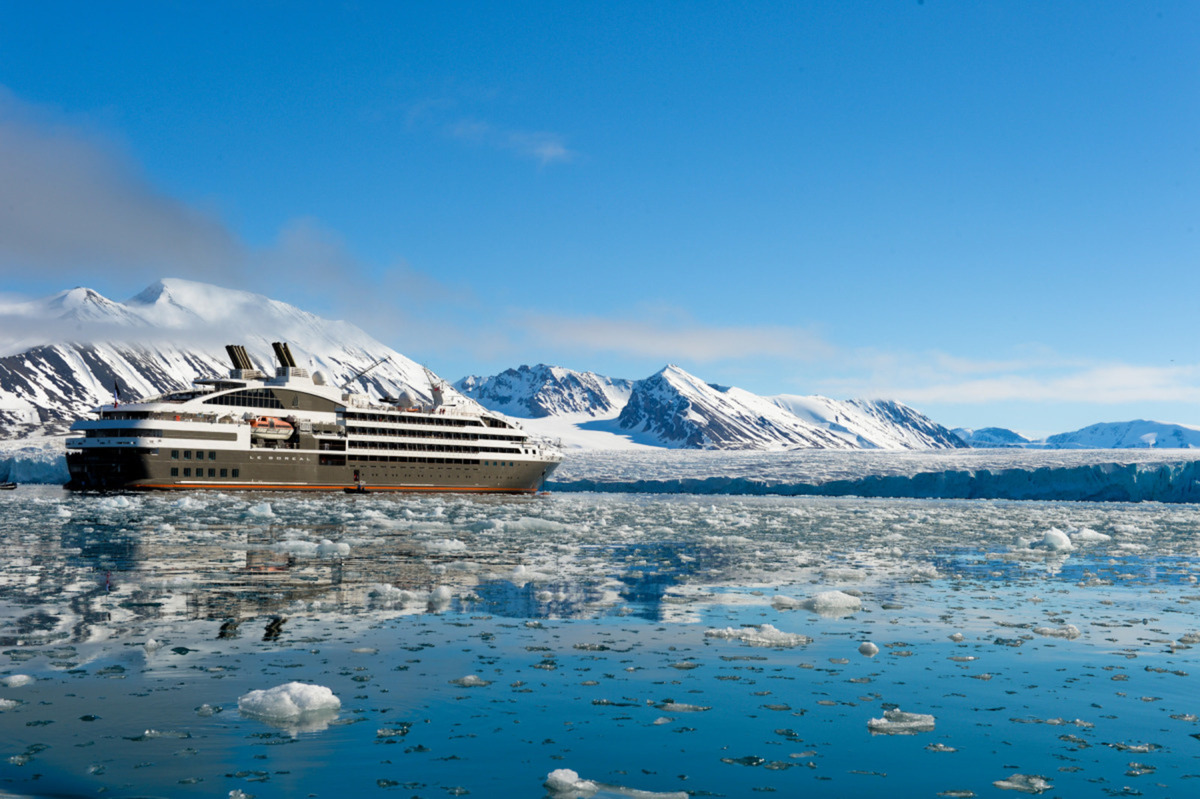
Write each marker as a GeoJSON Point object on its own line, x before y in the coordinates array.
{"type": "Point", "coordinates": [294, 432]}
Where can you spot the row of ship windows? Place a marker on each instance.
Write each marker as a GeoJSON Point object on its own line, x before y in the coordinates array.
{"type": "Point", "coordinates": [394, 432]}
{"type": "Point", "coordinates": [403, 459]}
{"type": "Point", "coordinates": [187, 472]}
{"type": "Point", "coordinates": [424, 447]}
{"type": "Point", "coordinates": [187, 455]}
{"type": "Point", "coordinates": [445, 421]}
{"type": "Point", "coordinates": [250, 398]}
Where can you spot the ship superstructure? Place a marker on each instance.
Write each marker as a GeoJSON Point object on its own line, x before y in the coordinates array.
{"type": "Point", "coordinates": [293, 431]}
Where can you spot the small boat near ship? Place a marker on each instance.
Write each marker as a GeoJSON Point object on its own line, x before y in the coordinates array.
{"type": "Point", "coordinates": [293, 432]}
{"type": "Point", "coordinates": [7, 486]}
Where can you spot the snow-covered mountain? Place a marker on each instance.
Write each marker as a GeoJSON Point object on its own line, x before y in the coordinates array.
{"type": "Point", "coordinates": [680, 410]}
{"type": "Point", "coordinates": [539, 391]}
{"type": "Point", "coordinates": [675, 409]}
{"type": "Point", "coordinates": [994, 438]}
{"type": "Point", "coordinates": [73, 350]}
{"type": "Point", "coordinates": [1138, 434]}
{"type": "Point", "coordinates": [871, 424]}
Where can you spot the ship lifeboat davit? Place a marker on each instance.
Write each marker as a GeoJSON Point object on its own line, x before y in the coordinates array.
{"type": "Point", "coordinates": [270, 427]}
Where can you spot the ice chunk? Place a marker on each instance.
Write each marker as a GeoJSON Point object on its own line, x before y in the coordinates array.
{"type": "Point", "coordinates": [290, 701]}
{"type": "Point", "coordinates": [834, 603]}
{"type": "Point", "coordinates": [439, 598]}
{"type": "Point", "coordinates": [444, 545]}
{"type": "Point", "coordinates": [566, 781]}
{"type": "Point", "coordinates": [8, 704]}
{"type": "Point", "coordinates": [1025, 783]}
{"type": "Point", "coordinates": [1055, 540]}
{"type": "Point", "coordinates": [869, 649]}
{"type": "Point", "coordinates": [1069, 631]}
{"type": "Point", "coordinates": [1088, 534]}
{"type": "Point", "coordinates": [329, 549]}
{"type": "Point", "coordinates": [16, 680]}
{"type": "Point", "coordinates": [471, 681]}
{"type": "Point", "coordinates": [897, 722]}
{"type": "Point", "coordinates": [781, 602]}
{"type": "Point", "coordinates": [762, 635]}
{"type": "Point", "coordinates": [262, 510]}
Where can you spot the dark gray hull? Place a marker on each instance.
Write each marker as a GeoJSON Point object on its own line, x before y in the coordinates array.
{"type": "Point", "coordinates": [267, 469]}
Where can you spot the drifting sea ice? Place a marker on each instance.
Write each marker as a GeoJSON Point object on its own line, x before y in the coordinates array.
{"type": "Point", "coordinates": [290, 702]}
{"type": "Point", "coordinates": [760, 635]}
{"type": "Point", "coordinates": [564, 783]}
{"type": "Point", "coordinates": [1024, 783]}
{"type": "Point", "coordinates": [898, 722]}
{"type": "Point", "coordinates": [834, 603]}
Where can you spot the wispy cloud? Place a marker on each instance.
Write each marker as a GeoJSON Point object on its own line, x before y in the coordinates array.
{"type": "Point", "coordinates": [541, 146]}
{"type": "Point", "coordinates": [444, 115]}
{"type": "Point", "coordinates": [675, 339]}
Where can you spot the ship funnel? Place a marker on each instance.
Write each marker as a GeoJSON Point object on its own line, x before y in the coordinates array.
{"type": "Point", "coordinates": [283, 354]}
{"type": "Point", "coordinates": [238, 356]}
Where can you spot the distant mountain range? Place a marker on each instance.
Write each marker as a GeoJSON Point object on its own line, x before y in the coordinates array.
{"type": "Point", "coordinates": [70, 352]}
{"type": "Point", "coordinates": [1138, 434]}
{"type": "Point", "coordinates": [673, 408]}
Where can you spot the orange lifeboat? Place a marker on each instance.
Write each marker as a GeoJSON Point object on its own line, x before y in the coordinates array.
{"type": "Point", "coordinates": [270, 427]}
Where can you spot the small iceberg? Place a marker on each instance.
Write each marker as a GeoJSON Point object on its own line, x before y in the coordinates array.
{"type": "Point", "coordinates": [897, 722]}
{"type": "Point", "coordinates": [293, 706]}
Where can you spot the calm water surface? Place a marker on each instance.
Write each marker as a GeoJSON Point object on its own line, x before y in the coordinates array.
{"type": "Point", "coordinates": [653, 644]}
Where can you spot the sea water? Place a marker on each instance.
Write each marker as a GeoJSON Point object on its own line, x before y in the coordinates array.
{"type": "Point", "coordinates": [595, 645]}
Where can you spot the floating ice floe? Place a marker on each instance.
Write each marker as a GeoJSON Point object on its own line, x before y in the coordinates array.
{"type": "Point", "coordinates": [262, 510]}
{"type": "Point", "coordinates": [16, 680]}
{"type": "Point", "coordinates": [1054, 540]}
{"type": "Point", "coordinates": [471, 681]}
{"type": "Point", "coordinates": [834, 603]}
{"type": "Point", "coordinates": [295, 706]}
{"type": "Point", "coordinates": [444, 546]}
{"type": "Point", "coordinates": [1087, 535]}
{"type": "Point", "coordinates": [761, 635]}
{"type": "Point", "coordinates": [331, 549]}
{"type": "Point", "coordinates": [565, 782]}
{"type": "Point", "coordinates": [440, 598]}
{"type": "Point", "coordinates": [897, 722]}
{"type": "Point", "coordinates": [1025, 783]}
{"type": "Point", "coordinates": [781, 602]}
{"type": "Point", "coordinates": [8, 704]}
{"type": "Point", "coordinates": [1068, 631]}
{"type": "Point", "coordinates": [869, 649]}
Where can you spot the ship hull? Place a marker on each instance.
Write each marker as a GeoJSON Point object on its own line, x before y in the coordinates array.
{"type": "Point", "coordinates": [288, 470]}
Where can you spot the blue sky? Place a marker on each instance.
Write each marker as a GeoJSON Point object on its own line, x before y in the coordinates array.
{"type": "Point", "coordinates": [987, 210]}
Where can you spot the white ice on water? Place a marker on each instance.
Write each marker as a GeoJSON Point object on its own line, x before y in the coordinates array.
{"type": "Point", "coordinates": [290, 701]}
{"type": "Point", "coordinates": [566, 783]}
{"type": "Point", "coordinates": [834, 603]}
{"type": "Point", "coordinates": [898, 722]}
{"type": "Point", "coordinates": [1023, 783]}
{"type": "Point", "coordinates": [760, 635]}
